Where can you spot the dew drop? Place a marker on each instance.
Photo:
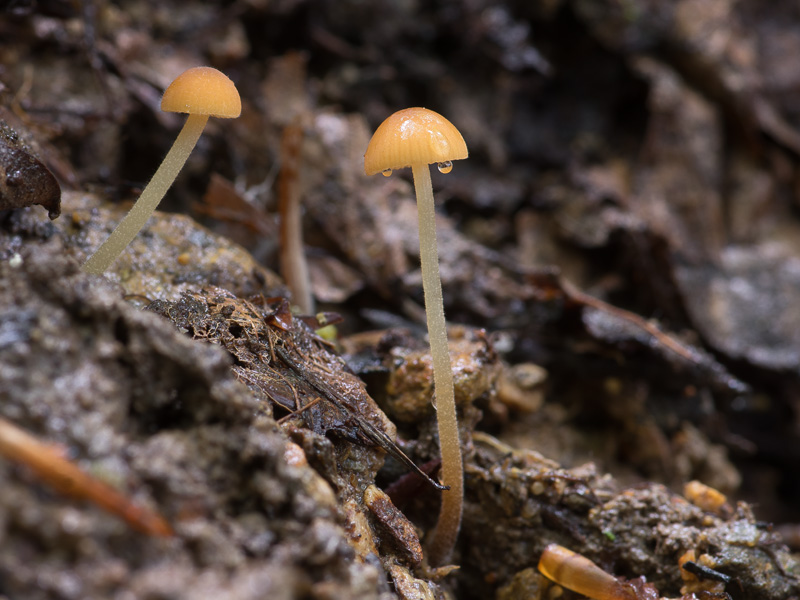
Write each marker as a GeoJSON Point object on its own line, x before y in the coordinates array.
{"type": "Point", "coordinates": [445, 167]}
{"type": "Point", "coordinates": [386, 173]}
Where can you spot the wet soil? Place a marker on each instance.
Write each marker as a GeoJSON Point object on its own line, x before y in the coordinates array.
{"type": "Point", "coordinates": [619, 264]}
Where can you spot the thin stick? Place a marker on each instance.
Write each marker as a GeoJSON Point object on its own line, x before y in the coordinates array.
{"type": "Point", "coordinates": [446, 532]}
{"type": "Point", "coordinates": [67, 478]}
{"type": "Point", "coordinates": [150, 198]}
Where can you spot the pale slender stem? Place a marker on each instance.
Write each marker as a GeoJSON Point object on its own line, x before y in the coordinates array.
{"type": "Point", "coordinates": [444, 537]}
{"type": "Point", "coordinates": [294, 267]}
{"type": "Point", "coordinates": [151, 196]}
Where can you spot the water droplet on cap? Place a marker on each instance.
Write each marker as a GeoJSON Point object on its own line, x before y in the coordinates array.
{"type": "Point", "coordinates": [386, 173]}
{"type": "Point", "coordinates": [445, 167]}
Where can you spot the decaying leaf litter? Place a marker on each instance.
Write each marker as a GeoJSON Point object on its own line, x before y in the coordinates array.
{"type": "Point", "coordinates": [645, 158]}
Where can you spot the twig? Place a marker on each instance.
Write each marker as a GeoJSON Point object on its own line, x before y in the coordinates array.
{"type": "Point", "coordinates": [67, 478]}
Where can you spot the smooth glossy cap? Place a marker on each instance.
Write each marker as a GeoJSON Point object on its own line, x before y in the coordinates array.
{"type": "Point", "coordinates": [413, 136]}
{"type": "Point", "coordinates": [202, 91]}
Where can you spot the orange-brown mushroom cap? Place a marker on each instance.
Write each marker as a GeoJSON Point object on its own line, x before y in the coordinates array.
{"type": "Point", "coordinates": [413, 136]}
{"type": "Point", "coordinates": [202, 91]}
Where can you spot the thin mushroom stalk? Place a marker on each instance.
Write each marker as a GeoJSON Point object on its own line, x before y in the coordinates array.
{"type": "Point", "coordinates": [150, 198]}
{"type": "Point", "coordinates": [201, 92]}
{"type": "Point", "coordinates": [417, 137]}
{"type": "Point", "coordinates": [444, 537]}
{"type": "Point", "coordinates": [294, 267]}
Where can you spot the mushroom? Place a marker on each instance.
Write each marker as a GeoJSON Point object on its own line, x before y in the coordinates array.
{"type": "Point", "coordinates": [201, 92]}
{"type": "Point", "coordinates": [579, 574]}
{"type": "Point", "coordinates": [417, 137]}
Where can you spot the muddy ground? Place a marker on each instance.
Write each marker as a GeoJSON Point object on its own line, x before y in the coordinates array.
{"type": "Point", "coordinates": [619, 257]}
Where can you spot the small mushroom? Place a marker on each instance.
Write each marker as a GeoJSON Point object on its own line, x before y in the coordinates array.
{"type": "Point", "coordinates": [201, 92]}
{"type": "Point", "coordinates": [579, 574]}
{"type": "Point", "coordinates": [417, 137]}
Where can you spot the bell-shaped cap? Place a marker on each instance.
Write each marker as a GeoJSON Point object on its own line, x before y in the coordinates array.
{"type": "Point", "coordinates": [413, 136]}
{"type": "Point", "coordinates": [202, 91]}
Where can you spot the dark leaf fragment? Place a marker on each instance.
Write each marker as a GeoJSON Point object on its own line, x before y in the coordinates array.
{"type": "Point", "coordinates": [280, 359]}
{"type": "Point", "coordinates": [370, 433]}
{"type": "Point", "coordinates": [24, 180]}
